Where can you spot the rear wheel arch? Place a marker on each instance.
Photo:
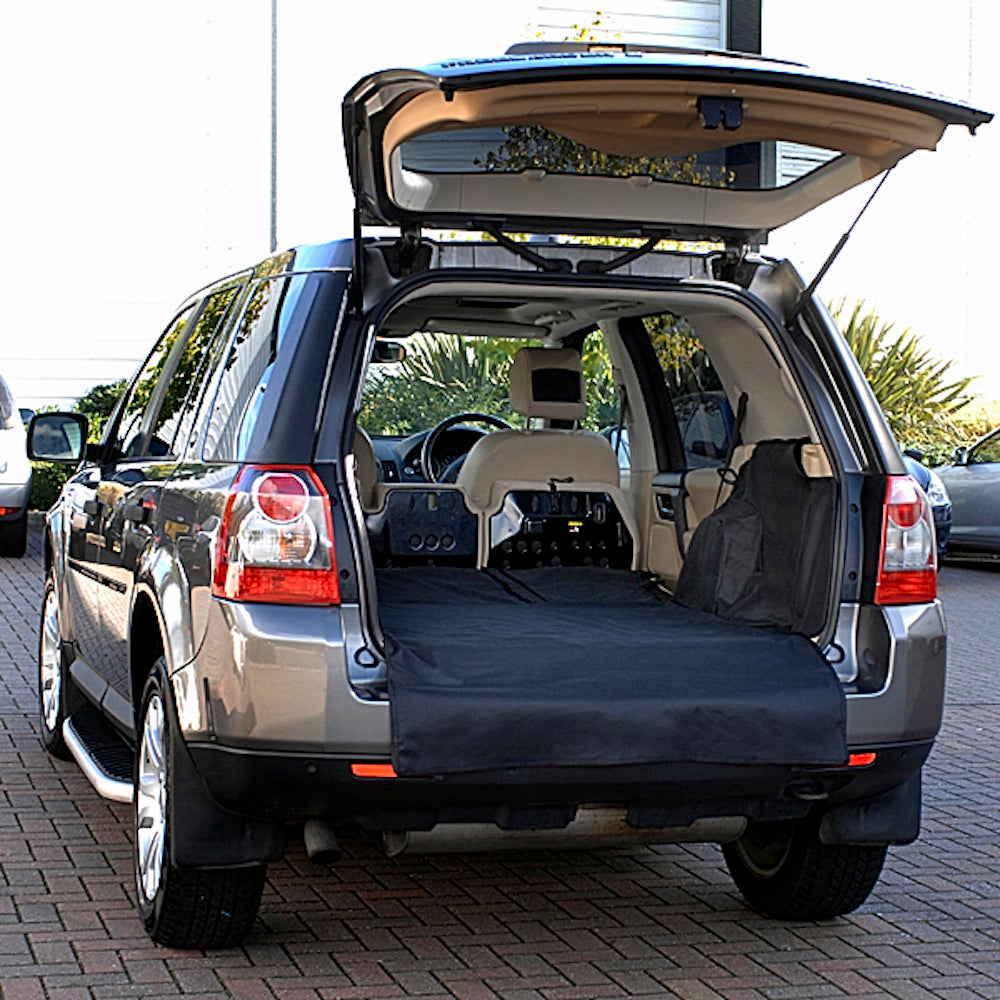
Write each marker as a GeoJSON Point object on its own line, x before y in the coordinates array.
{"type": "Point", "coordinates": [146, 644]}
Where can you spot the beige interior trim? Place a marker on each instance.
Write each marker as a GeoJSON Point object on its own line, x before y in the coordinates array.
{"type": "Point", "coordinates": [660, 117]}
{"type": "Point", "coordinates": [365, 468]}
{"type": "Point", "coordinates": [657, 118]}
{"type": "Point", "coordinates": [535, 456]}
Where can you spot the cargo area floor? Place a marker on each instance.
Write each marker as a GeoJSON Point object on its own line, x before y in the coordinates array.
{"type": "Point", "coordinates": [559, 666]}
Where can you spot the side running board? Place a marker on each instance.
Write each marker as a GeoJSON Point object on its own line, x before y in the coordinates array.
{"type": "Point", "coordinates": [103, 756]}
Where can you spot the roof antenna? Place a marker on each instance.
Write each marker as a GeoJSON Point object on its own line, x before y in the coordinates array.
{"type": "Point", "coordinates": [809, 290]}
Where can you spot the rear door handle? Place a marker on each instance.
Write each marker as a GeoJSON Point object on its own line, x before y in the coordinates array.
{"type": "Point", "coordinates": [665, 506]}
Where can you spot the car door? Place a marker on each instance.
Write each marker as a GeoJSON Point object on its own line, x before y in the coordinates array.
{"type": "Point", "coordinates": [137, 460]}
{"type": "Point", "coordinates": [974, 488]}
{"type": "Point", "coordinates": [82, 562]}
{"type": "Point", "coordinates": [137, 508]}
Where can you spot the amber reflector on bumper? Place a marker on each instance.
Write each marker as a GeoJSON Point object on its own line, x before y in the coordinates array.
{"type": "Point", "coordinates": [376, 770]}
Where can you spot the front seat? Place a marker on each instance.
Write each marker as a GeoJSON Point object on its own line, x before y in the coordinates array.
{"type": "Point", "coordinates": [548, 384]}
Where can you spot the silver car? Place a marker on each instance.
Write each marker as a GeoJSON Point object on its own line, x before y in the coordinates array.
{"type": "Point", "coordinates": [353, 547]}
{"type": "Point", "coordinates": [15, 477]}
{"type": "Point", "coordinates": [973, 482]}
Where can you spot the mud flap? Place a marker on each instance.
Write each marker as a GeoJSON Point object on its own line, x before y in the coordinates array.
{"type": "Point", "coordinates": [203, 834]}
{"type": "Point", "coordinates": [892, 818]}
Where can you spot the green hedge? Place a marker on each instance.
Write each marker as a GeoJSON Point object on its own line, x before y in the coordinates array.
{"type": "Point", "coordinates": [46, 483]}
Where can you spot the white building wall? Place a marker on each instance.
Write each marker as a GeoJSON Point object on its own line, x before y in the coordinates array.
{"type": "Point", "coordinates": [694, 23]}
{"type": "Point", "coordinates": [138, 154]}
{"type": "Point", "coordinates": [142, 138]}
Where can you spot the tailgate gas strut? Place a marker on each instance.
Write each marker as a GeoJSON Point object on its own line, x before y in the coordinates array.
{"type": "Point", "coordinates": [555, 265]}
{"type": "Point", "coordinates": [809, 290]}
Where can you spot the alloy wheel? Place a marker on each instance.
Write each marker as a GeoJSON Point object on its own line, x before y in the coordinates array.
{"type": "Point", "coordinates": [151, 799]}
{"type": "Point", "coordinates": [50, 663]}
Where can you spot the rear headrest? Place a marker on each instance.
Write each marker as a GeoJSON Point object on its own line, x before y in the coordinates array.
{"type": "Point", "coordinates": [548, 383]}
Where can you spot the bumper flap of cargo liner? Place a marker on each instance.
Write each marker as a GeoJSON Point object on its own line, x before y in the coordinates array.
{"type": "Point", "coordinates": [564, 667]}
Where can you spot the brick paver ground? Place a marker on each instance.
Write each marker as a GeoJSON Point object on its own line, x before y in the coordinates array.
{"type": "Point", "coordinates": [636, 922]}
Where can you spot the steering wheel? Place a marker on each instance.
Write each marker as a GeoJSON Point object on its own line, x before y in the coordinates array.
{"type": "Point", "coordinates": [427, 455]}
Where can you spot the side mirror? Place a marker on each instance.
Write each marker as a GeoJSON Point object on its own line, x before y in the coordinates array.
{"type": "Point", "coordinates": [915, 453]}
{"type": "Point", "coordinates": [57, 437]}
{"type": "Point", "coordinates": [26, 415]}
{"type": "Point", "coordinates": [961, 455]}
{"type": "Point", "coordinates": [386, 351]}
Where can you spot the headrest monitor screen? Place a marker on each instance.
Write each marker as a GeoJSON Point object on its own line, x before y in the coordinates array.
{"type": "Point", "coordinates": [555, 385]}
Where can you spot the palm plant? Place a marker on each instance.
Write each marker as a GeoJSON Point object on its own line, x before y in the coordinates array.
{"type": "Point", "coordinates": [441, 374]}
{"type": "Point", "coordinates": [914, 388]}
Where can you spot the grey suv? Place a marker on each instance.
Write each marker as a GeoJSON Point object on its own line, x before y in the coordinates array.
{"type": "Point", "coordinates": [356, 545]}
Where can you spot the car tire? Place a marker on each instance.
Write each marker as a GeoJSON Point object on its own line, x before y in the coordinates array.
{"type": "Point", "coordinates": [180, 908]}
{"type": "Point", "coordinates": [784, 871]}
{"type": "Point", "coordinates": [53, 675]}
{"type": "Point", "coordinates": [14, 537]}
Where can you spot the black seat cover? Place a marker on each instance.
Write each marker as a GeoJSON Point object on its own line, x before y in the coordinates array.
{"type": "Point", "coordinates": [765, 556]}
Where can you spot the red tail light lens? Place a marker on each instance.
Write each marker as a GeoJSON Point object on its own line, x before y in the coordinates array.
{"type": "Point", "coordinates": [276, 539]}
{"type": "Point", "coordinates": [908, 560]}
{"type": "Point", "coordinates": [281, 496]}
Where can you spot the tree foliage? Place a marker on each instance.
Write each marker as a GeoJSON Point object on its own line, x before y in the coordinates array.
{"type": "Point", "coordinates": [440, 375]}
{"type": "Point", "coordinates": [535, 147]}
{"type": "Point", "coordinates": [916, 390]}
{"type": "Point", "coordinates": [444, 374]}
{"type": "Point", "coordinates": [685, 363]}
{"type": "Point", "coordinates": [97, 403]}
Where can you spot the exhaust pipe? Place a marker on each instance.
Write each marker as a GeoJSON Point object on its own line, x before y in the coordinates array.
{"type": "Point", "coordinates": [321, 842]}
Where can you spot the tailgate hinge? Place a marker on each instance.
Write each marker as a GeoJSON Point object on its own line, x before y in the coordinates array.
{"type": "Point", "coordinates": [731, 265]}
{"type": "Point", "coordinates": [408, 255]}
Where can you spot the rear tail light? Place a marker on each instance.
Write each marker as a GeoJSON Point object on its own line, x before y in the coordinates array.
{"type": "Point", "coordinates": [276, 539]}
{"type": "Point", "coordinates": [908, 560]}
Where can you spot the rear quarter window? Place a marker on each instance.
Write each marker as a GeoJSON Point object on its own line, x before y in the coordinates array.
{"type": "Point", "coordinates": [255, 365]}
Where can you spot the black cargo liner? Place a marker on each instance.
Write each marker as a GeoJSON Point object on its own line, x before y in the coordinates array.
{"type": "Point", "coordinates": [585, 666]}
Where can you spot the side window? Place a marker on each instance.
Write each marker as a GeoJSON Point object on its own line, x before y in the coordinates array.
{"type": "Point", "coordinates": [148, 391]}
{"type": "Point", "coordinates": [704, 416]}
{"type": "Point", "coordinates": [705, 420]}
{"type": "Point", "coordinates": [176, 419]}
{"type": "Point", "coordinates": [247, 371]}
{"type": "Point", "coordinates": [987, 452]}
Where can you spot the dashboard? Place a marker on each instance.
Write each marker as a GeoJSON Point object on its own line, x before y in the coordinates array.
{"type": "Point", "coordinates": [399, 457]}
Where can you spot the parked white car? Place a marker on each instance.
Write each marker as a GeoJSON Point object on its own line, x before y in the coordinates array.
{"type": "Point", "coordinates": [15, 477]}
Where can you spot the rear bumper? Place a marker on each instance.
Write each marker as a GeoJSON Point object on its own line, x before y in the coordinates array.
{"type": "Point", "coordinates": [273, 726]}
{"type": "Point", "coordinates": [295, 787]}
{"type": "Point", "coordinates": [274, 678]}
{"type": "Point", "coordinates": [15, 495]}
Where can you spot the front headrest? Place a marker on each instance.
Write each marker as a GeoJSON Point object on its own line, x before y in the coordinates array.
{"type": "Point", "coordinates": [548, 383]}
